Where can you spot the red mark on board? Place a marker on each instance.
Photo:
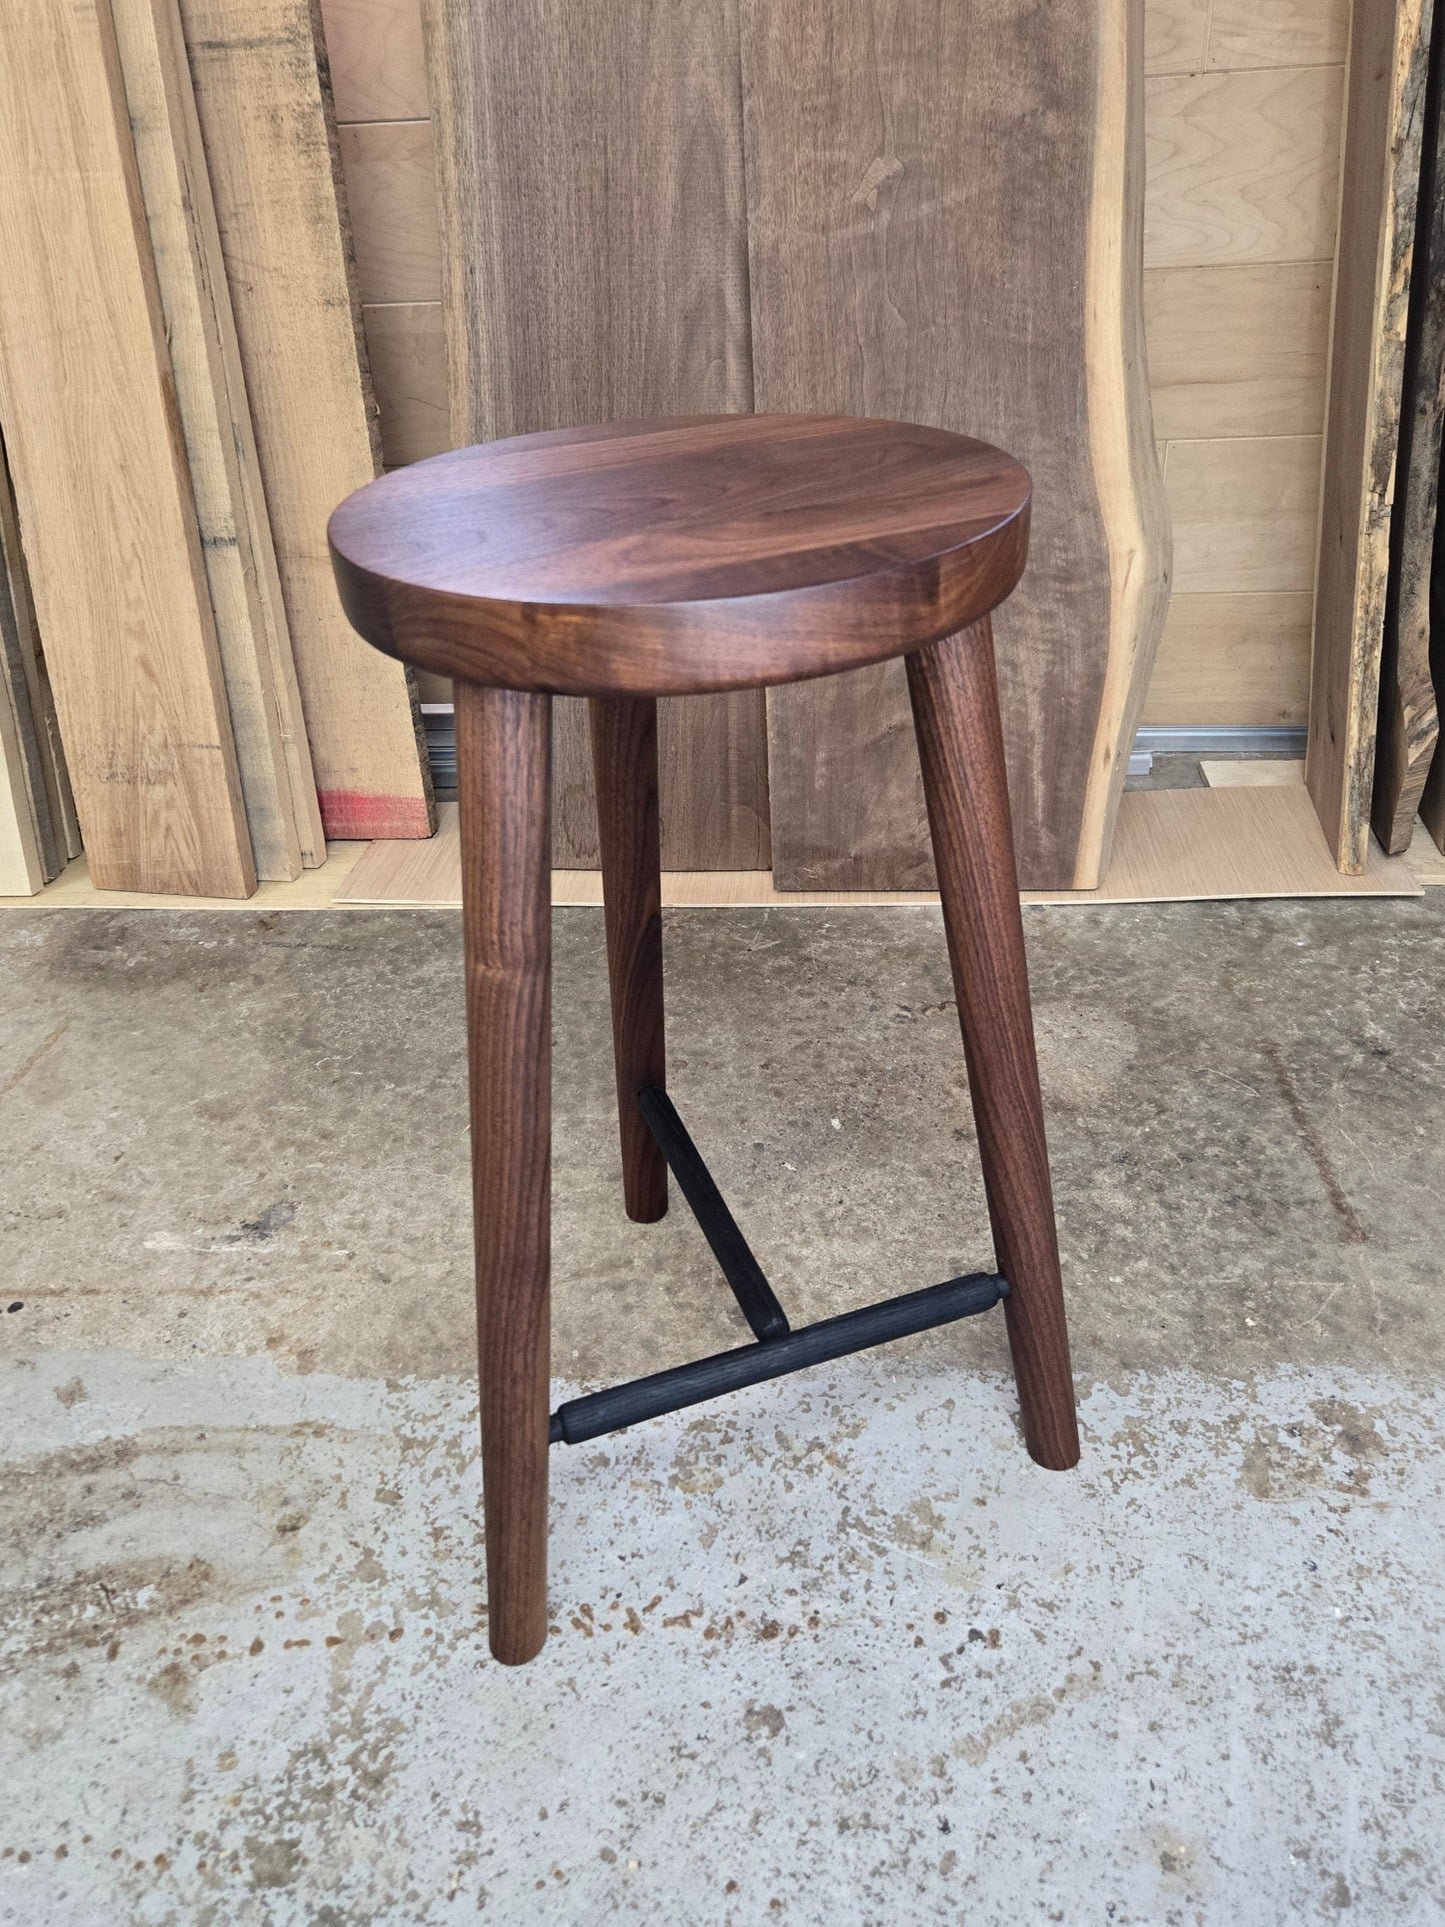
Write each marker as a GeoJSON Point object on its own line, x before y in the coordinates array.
{"type": "Point", "coordinates": [352, 816]}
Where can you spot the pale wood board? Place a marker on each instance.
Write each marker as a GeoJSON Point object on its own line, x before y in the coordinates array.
{"type": "Point", "coordinates": [1245, 514]}
{"type": "Point", "coordinates": [59, 798]}
{"type": "Point", "coordinates": [1409, 715]}
{"type": "Point", "coordinates": [1426, 860]}
{"type": "Point", "coordinates": [264, 99]}
{"type": "Point", "coordinates": [1278, 33]}
{"type": "Point", "coordinates": [100, 474]}
{"type": "Point", "coordinates": [884, 192]}
{"type": "Point", "coordinates": [1232, 660]}
{"type": "Point", "coordinates": [1176, 36]}
{"type": "Point", "coordinates": [1171, 846]}
{"type": "Point", "coordinates": [391, 192]}
{"type": "Point", "coordinates": [408, 348]}
{"type": "Point", "coordinates": [378, 59]}
{"type": "Point", "coordinates": [578, 292]}
{"type": "Point", "coordinates": [1252, 772]}
{"type": "Point", "coordinates": [1239, 349]}
{"type": "Point", "coordinates": [1389, 43]}
{"type": "Point", "coordinates": [1242, 166]}
{"type": "Point", "coordinates": [245, 590]}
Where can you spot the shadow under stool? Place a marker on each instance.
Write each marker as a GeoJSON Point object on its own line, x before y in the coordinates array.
{"type": "Point", "coordinates": [674, 558]}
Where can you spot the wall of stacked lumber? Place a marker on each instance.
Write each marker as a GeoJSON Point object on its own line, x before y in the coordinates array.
{"type": "Point", "coordinates": [223, 309]}
{"type": "Point", "coordinates": [184, 396]}
{"type": "Point", "coordinates": [1244, 118]}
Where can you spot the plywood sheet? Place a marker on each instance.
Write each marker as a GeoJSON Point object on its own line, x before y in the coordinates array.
{"type": "Point", "coordinates": [245, 589]}
{"type": "Point", "coordinates": [1243, 166]}
{"type": "Point", "coordinates": [265, 109]}
{"type": "Point", "coordinates": [595, 263]}
{"type": "Point", "coordinates": [1171, 846]}
{"type": "Point", "coordinates": [1239, 349]}
{"type": "Point", "coordinates": [1232, 660]}
{"type": "Point", "coordinates": [378, 64]}
{"type": "Point", "coordinates": [100, 472]}
{"type": "Point", "coordinates": [1245, 514]}
{"type": "Point", "coordinates": [392, 199]}
{"type": "Point", "coordinates": [1389, 44]}
{"type": "Point", "coordinates": [1278, 33]}
{"type": "Point", "coordinates": [408, 349]}
{"type": "Point", "coordinates": [904, 264]}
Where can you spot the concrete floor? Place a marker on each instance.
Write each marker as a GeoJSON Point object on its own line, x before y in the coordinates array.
{"type": "Point", "coordinates": [833, 1651]}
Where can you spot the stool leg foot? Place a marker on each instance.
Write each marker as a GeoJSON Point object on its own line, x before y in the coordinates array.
{"type": "Point", "coordinates": [960, 743]}
{"type": "Point", "coordinates": [504, 770]}
{"type": "Point", "coordinates": [624, 757]}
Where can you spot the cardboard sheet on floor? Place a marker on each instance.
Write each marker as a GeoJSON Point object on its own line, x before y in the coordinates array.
{"type": "Point", "coordinates": [1171, 846]}
{"type": "Point", "coordinates": [1425, 863]}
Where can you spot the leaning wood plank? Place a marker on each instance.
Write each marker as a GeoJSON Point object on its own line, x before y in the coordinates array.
{"type": "Point", "coordinates": [29, 830]}
{"type": "Point", "coordinates": [27, 847]}
{"type": "Point", "coordinates": [1432, 800]}
{"type": "Point", "coordinates": [576, 291]}
{"type": "Point", "coordinates": [22, 870]}
{"type": "Point", "coordinates": [904, 263]}
{"type": "Point", "coordinates": [264, 100]}
{"type": "Point", "coordinates": [1388, 41]}
{"type": "Point", "coordinates": [245, 590]}
{"type": "Point", "coordinates": [39, 699]}
{"type": "Point", "coordinates": [1409, 721]}
{"type": "Point", "coordinates": [23, 757]}
{"type": "Point", "coordinates": [99, 469]}
{"type": "Point", "coordinates": [1172, 846]}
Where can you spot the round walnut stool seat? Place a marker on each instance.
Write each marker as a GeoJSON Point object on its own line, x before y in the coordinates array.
{"type": "Point", "coordinates": [671, 558]}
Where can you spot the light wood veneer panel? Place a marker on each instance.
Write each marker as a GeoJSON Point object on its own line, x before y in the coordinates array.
{"type": "Point", "coordinates": [1244, 513]}
{"type": "Point", "coordinates": [1232, 661]}
{"type": "Point", "coordinates": [1242, 166]}
{"type": "Point", "coordinates": [392, 196]}
{"type": "Point", "coordinates": [1238, 350]}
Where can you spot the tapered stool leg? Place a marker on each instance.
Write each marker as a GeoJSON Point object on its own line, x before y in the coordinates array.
{"type": "Point", "coordinates": [624, 757]}
{"type": "Point", "coordinates": [960, 745]}
{"type": "Point", "coordinates": [504, 775]}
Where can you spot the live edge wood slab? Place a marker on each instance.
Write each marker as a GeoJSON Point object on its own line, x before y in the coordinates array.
{"type": "Point", "coordinates": [945, 207]}
{"type": "Point", "coordinates": [581, 291]}
{"type": "Point", "coordinates": [1387, 71]}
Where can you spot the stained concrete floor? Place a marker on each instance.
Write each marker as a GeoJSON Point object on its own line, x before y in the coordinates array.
{"type": "Point", "coordinates": [831, 1651]}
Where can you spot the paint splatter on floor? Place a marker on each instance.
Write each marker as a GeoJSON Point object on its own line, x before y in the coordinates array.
{"type": "Point", "coordinates": [832, 1652]}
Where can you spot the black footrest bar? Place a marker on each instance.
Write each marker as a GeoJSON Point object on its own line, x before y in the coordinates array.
{"type": "Point", "coordinates": [853, 1331]}
{"type": "Point", "coordinates": [744, 1274]}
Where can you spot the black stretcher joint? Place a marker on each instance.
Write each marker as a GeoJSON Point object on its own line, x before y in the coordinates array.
{"type": "Point", "coordinates": [777, 1349]}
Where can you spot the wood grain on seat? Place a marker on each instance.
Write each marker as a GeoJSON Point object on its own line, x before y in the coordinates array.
{"type": "Point", "coordinates": [711, 552]}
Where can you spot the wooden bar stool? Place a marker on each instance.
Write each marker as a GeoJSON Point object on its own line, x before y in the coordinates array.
{"type": "Point", "coordinates": [670, 558]}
